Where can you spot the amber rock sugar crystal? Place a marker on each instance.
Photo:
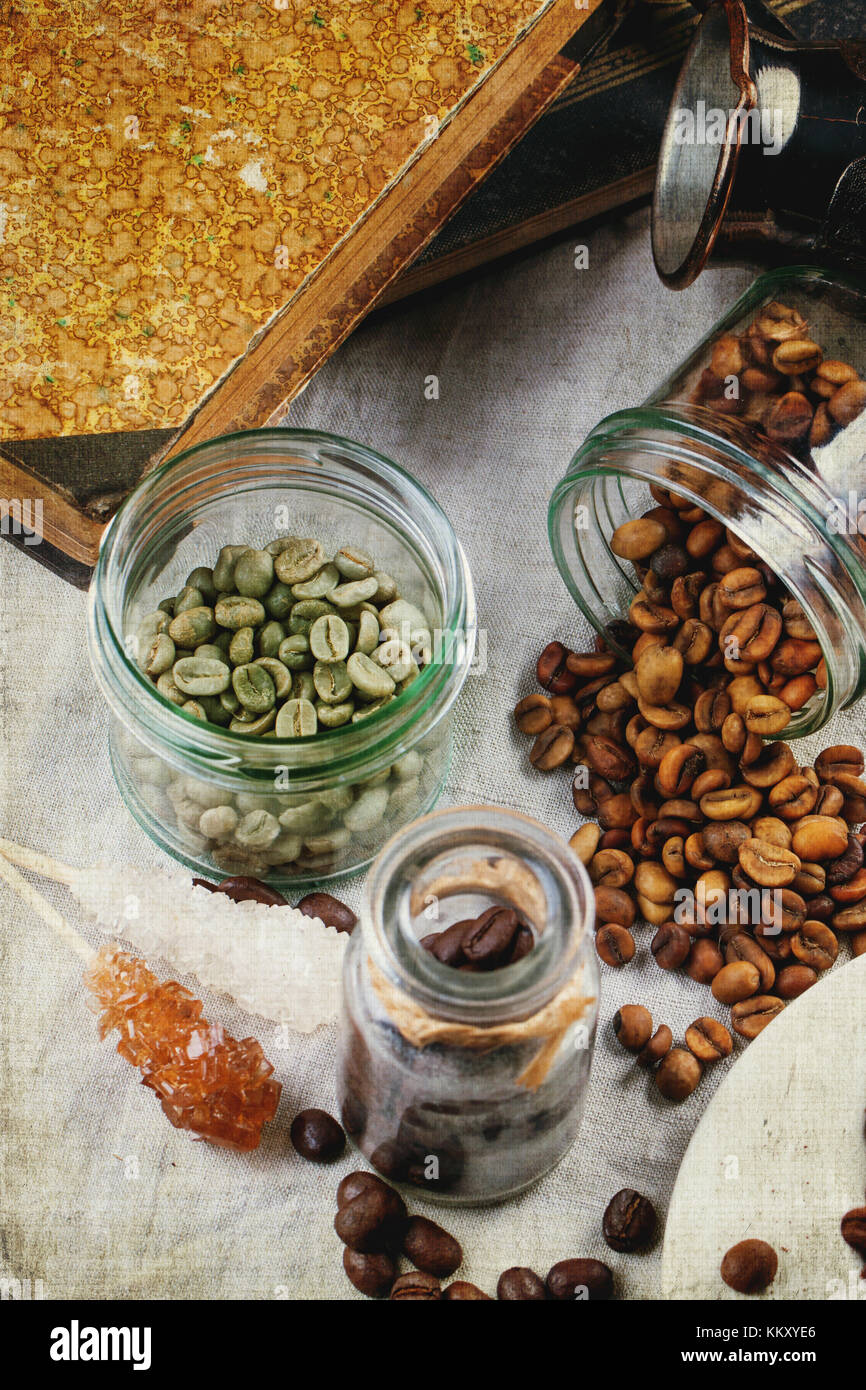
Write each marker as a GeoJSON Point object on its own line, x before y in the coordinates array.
{"type": "Point", "coordinates": [208, 1082]}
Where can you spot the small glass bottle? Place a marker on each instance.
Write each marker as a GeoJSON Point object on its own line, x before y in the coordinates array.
{"type": "Point", "coordinates": [468, 1086]}
{"type": "Point", "coordinates": [764, 428]}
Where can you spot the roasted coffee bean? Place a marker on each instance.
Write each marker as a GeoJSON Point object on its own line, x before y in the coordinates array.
{"type": "Point", "coordinates": [851, 891]}
{"type": "Point", "coordinates": [614, 905]}
{"type": "Point", "coordinates": [722, 839]}
{"type": "Point", "coordinates": [637, 540]}
{"type": "Point", "coordinates": [809, 880]}
{"type": "Point", "coordinates": [520, 1284]}
{"type": "Point", "coordinates": [679, 1074]}
{"type": "Point", "coordinates": [843, 869]}
{"type": "Point", "coordinates": [629, 1221]}
{"type": "Point", "coordinates": [840, 758]}
{"type": "Point", "coordinates": [462, 1292]}
{"type": "Point", "coordinates": [328, 910]}
{"type": "Point", "coordinates": [317, 1136]}
{"type": "Point", "coordinates": [523, 943]}
{"type": "Point", "coordinates": [610, 760]}
{"type": "Point", "coordinates": [746, 948]}
{"type": "Point", "coordinates": [614, 944]}
{"type": "Point", "coordinates": [793, 797]}
{"type": "Point", "coordinates": [734, 803]}
{"type": "Point", "coordinates": [658, 1047]}
{"type": "Point", "coordinates": [372, 1221]}
{"type": "Point", "coordinates": [736, 981]}
{"type": "Point", "coordinates": [751, 1016]}
{"type": "Point", "coordinates": [767, 864]}
{"type": "Point", "coordinates": [858, 943]}
{"type": "Point", "coordinates": [430, 1248]}
{"type": "Point", "coordinates": [742, 588]}
{"type": "Point", "coordinates": [704, 961]}
{"type": "Point", "coordinates": [794, 980]}
{"type": "Point", "coordinates": [584, 841]}
{"type": "Point", "coordinates": [612, 868]}
{"type": "Point", "coordinates": [372, 1275]}
{"type": "Point", "coordinates": [243, 889]}
{"type": "Point", "coordinates": [552, 748]}
{"type": "Point", "coordinates": [750, 1266]}
{"type": "Point", "coordinates": [709, 1040]}
{"type": "Point", "coordinates": [533, 715]}
{"type": "Point", "coordinates": [679, 768]}
{"type": "Point", "coordinates": [815, 945]}
{"type": "Point", "coordinates": [490, 939]}
{"type": "Point", "coordinates": [817, 838]}
{"type": "Point", "coordinates": [355, 1183]}
{"type": "Point", "coordinates": [633, 1026]}
{"type": "Point", "coordinates": [752, 632]}
{"type": "Point", "coordinates": [447, 945]}
{"type": "Point", "coordinates": [659, 671]}
{"type": "Point", "coordinates": [671, 945]}
{"type": "Point", "coordinates": [552, 671]}
{"type": "Point", "coordinates": [774, 762]}
{"type": "Point", "coordinates": [581, 1280]}
{"type": "Point", "coordinates": [854, 1229]}
{"type": "Point", "coordinates": [851, 918]}
{"type": "Point", "coordinates": [416, 1288]}
{"type": "Point", "coordinates": [564, 712]}
{"type": "Point", "coordinates": [766, 714]}
{"type": "Point", "coordinates": [617, 812]}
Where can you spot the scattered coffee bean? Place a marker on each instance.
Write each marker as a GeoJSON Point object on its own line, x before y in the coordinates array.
{"type": "Point", "coordinates": [430, 1248]}
{"type": "Point", "coordinates": [243, 889]}
{"type": "Point", "coordinates": [854, 1229]}
{"type": "Point", "coordinates": [751, 1016]}
{"type": "Point", "coordinates": [614, 944]}
{"type": "Point", "coordinates": [372, 1221]}
{"type": "Point", "coordinates": [629, 1221]}
{"type": "Point", "coordinates": [416, 1288]}
{"type": "Point", "coordinates": [372, 1275]}
{"type": "Point", "coordinates": [520, 1284]}
{"type": "Point", "coordinates": [462, 1292]}
{"type": "Point", "coordinates": [657, 1048]}
{"type": "Point", "coordinates": [709, 1040]}
{"type": "Point", "coordinates": [317, 1136]}
{"type": "Point", "coordinates": [328, 910]}
{"type": "Point", "coordinates": [355, 1183]}
{"type": "Point", "coordinates": [678, 1074]}
{"type": "Point", "coordinates": [633, 1026]}
{"type": "Point", "coordinates": [588, 1280]}
{"type": "Point", "coordinates": [750, 1266]}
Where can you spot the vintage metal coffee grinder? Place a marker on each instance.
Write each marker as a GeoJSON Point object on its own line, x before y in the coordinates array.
{"type": "Point", "coordinates": [764, 150]}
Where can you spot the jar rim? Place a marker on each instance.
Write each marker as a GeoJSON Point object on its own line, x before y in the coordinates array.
{"type": "Point", "coordinates": [333, 752]}
{"type": "Point", "coordinates": [493, 997]}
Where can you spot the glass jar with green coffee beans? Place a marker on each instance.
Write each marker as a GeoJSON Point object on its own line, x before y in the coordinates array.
{"type": "Point", "coordinates": [748, 462]}
{"type": "Point", "coordinates": [280, 622]}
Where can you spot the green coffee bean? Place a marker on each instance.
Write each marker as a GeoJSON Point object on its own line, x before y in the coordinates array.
{"type": "Point", "coordinates": [294, 652]}
{"type": "Point", "coordinates": [151, 625]}
{"type": "Point", "coordinates": [254, 573]}
{"type": "Point", "coordinates": [252, 801]}
{"type": "Point", "coordinates": [299, 559]}
{"type": "Point", "coordinates": [258, 725]}
{"type": "Point", "coordinates": [395, 657]}
{"type": "Point", "coordinates": [199, 675]}
{"type": "Point", "coordinates": [223, 640]}
{"type": "Point", "coordinates": [257, 830]}
{"type": "Point", "coordinates": [309, 818]}
{"type": "Point", "coordinates": [377, 780]}
{"type": "Point", "coordinates": [408, 767]}
{"type": "Point", "coordinates": [270, 637]}
{"type": "Point", "coordinates": [278, 601]}
{"type": "Point", "coordinates": [329, 638]}
{"type": "Point", "coordinates": [159, 656]}
{"type": "Point", "coordinates": [333, 716]}
{"type": "Point", "coordinates": [305, 613]}
{"type": "Point", "coordinates": [188, 598]}
{"type": "Point", "coordinates": [167, 606]}
{"type": "Point", "coordinates": [349, 595]}
{"type": "Point", "coordinates": [234, 612]}
{"type": "Point", "coordinates": [413, 675]}
{"type": "Point", "coordinates": [215, 712]}
{"type": "Point", "coordinates": [404, 803]}
{"type": "Point", "coordinates": [202, 579]}
{"type": "Point", "coordinates": [210, 651]}
{"type": "Point", "coordinates": [224, 569]}
{"type": "Point", "coordinates": [320, 585]}
{"type": "Point", "coordinates": [386, 590]}
{"type": "Point", "coordinates": [279, 674]}
{"type": "Point", "coordinates": [192, 627]}
{"type": "Point", "coordinates": [194, 708]}
{"type": "Point", "coordinates": [368, 633]}
{"type": "Point", "coordinates": [254, 688]}
{"type": "Point", "coordinates": [285, 848]}
{"type": "Point", "coordinates": [297, 719]}
{"type": "Point", "coordinates": [368, 810]}
{"type": "Point", "coordinates": [328, 843]}
{"type": "Point", "coordinates": [303, 687]}
{"type": "Point", "coordinates": [332, 683]}
{"type": "Point", "coordinates": [242, 647]}
{"type": "Point", "coordinates": [373, 708]}
{"type": "Point", "coordinates": [337, 799]}
{"type": "Point", "coordinates": [353, 562]}
{"type": "Point", "coordinates": [166, 686]}
{"type": "Point", "coordinates": [369, 678]}
{"type": "Point", "coordinates": [230, 701]}
{"type": "Point", "coordinates": [219, 822]}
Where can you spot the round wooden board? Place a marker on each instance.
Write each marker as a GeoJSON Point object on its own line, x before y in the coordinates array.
{"type": "Point", "coordinates": [780, 1154]}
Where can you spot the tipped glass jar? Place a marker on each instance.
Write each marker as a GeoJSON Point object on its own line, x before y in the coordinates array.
{"type": "Point", "coordinates": [289, 809]}
{"type": "Point", "coordinates": [762, 428]}
{"type": "Point", "coordinates": [468, 1086]}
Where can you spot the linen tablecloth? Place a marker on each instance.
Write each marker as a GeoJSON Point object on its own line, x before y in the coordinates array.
{"type": "Point", "coordinates": [100, 1197]}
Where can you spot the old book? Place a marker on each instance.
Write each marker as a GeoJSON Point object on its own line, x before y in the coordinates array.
{"type": "Point", "coordinates": [200, 201]}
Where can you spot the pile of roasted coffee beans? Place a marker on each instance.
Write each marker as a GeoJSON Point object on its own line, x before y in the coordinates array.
{"type": "Point", "coordinates": [786, 386]}
{"type": "Point", "coordinates": [243, 888]}
{"type": "Point", "coordinates": [747, 864]}
{"type": "Point", "coordinates": [496, 938]}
